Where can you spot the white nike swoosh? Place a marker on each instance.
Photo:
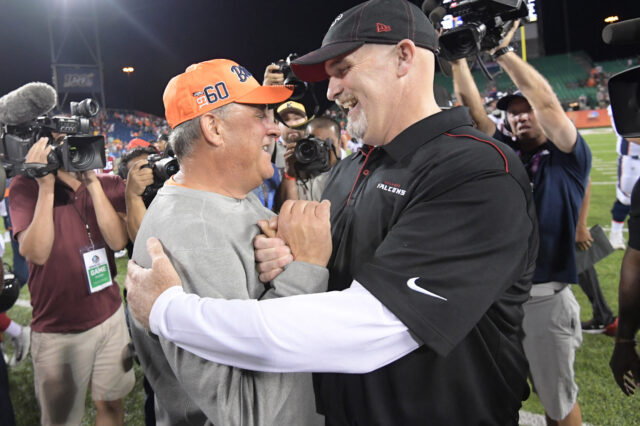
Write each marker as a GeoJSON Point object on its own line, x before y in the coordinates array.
{"type": "Point", "coordinates": [411, 283]}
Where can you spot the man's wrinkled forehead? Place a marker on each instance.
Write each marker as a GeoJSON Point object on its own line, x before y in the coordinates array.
{"type": "Point", "coordinates": [345, 58]}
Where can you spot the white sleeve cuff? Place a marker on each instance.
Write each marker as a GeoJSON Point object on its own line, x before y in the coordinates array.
{"type": "Point", "coordinates": [157, 314]}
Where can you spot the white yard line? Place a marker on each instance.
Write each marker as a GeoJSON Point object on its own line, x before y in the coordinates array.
{"type": "Point", "coordinates": [23, 303]}
{"type": "Point", "coordinates": [530, 419]}
{"type": "Point", "coordinates": [597, 130]}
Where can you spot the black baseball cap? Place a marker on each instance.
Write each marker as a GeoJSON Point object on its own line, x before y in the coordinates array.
{"type": "Point", "coordinates": [375, 21]}
{"type": "Point", "coordinates": [504, 101]}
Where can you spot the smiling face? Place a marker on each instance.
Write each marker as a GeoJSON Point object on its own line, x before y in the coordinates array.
{"type": "Point", "coordinates": [248, 132]}
{"type": "Point", "coordinates": [362, 82]}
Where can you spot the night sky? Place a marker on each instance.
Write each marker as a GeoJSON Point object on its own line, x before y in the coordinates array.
{"type": "Point", "coordinates": [160, 38]}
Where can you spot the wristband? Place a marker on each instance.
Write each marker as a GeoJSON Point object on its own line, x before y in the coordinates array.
{"type": "Point", "coordinates": [501, 52]}
{"type": "Point", "coordinates": [286, 176]}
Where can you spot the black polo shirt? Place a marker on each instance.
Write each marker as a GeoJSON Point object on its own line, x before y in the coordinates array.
{"type": "Point", "coordinates": [440, 226]}
{"type": "Point", "coordinates": [634, 218]}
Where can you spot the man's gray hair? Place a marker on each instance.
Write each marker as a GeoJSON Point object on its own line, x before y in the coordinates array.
{"type": "Point", "coordinates": [184, 137]}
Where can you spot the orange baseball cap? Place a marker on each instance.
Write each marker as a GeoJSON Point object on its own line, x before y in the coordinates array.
{"type": "Point", "coordinates": [211, 84]}
{"type": "Point", "coordinates": [137, 143]}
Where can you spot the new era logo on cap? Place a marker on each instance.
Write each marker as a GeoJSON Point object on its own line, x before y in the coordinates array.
{"type": "Point", "coordinates": [375, 21]}
{"type": "Point", "coordinates": [382, 28]}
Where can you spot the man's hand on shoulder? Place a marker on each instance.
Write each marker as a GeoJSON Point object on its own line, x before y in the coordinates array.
{"type": "Point", "coordinates": [305, 227]}
{"type": "Point", "coordinates": [144, 286]}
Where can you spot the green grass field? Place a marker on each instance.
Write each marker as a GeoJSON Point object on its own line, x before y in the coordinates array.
{"type": "Point", "coordinates": [601, 400]}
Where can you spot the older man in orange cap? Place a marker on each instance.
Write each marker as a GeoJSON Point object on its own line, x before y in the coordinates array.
{"type": "Point", "coordinates": [206, 217]}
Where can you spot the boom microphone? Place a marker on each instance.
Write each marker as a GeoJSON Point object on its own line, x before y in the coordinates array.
{"type": "Point", "coordinates": [26, 103]}
{"type": "Point", "coordinates": [625, 32]}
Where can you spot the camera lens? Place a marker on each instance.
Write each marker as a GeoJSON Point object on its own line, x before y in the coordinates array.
{"type": "Point", "coordinates": [172, 168]}
{"type": "Point", "coordinates": [165, 168]}
{"type": "Point", "coordinates": [299, 88]}
{"type": "Point", "coordinates": [85, 108]}
{"type": "Point", "coordinates": [80, 158]}
{"type": "Point", "coordinates": [462, 42]}
{"type": "Point", "coordinates": [306, 151]}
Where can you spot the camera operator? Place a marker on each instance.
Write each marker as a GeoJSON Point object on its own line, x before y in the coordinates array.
{"type": "Point", "coordinates": [297, 184]}
{"type": "Point", "coordinates": [291, 115]}
{"type": "Point", "coordinates": [558, 161]}
{"type": "Point", "coordinates": [68, 225]}
{"type": "Point", "coordinates": [292, 119]}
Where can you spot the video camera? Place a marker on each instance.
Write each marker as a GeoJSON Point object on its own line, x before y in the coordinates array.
{"type": "Point", "coordinates": [23, 119]}
{"type": "Point", "coordinates": [312, 155]}
{"type": "Point", "coordinates": [484, 22]}
{"type": "Point", "coordinates": [624, 87]}
{"type": "Point", "coordinates": [9, 289]}
{"type": "Point", "coordinates": [163, 168]}
{"type": "Point", "coordinates": [299, 86]}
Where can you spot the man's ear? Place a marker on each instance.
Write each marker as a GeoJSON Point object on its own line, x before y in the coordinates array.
{"type": "Point", "coordinates": [405, 54]}
{"type": "Point", "coordinates": [212, 127]}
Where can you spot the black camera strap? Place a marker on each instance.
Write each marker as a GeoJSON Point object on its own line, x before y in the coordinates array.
{"type": "Point", "coordinates": [37, 170]}
{"type": "Point", "coordinates": [84, 218]}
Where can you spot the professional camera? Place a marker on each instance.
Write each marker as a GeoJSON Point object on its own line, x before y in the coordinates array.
{"type": "Point", "coordinates": [10, 289]}
{"type": "Point", "coordinates": [299, 86]}
{"type": "Point", "coordinates": [483, 25]}
{"type": "Point", "coordinates": [312, 155]}
{"type": "Point", "coordinates": [163, 168]}
{"type": "Point", "coordinates": [624, 87]}
{"type": "Point", "coordinates": [72, 152]}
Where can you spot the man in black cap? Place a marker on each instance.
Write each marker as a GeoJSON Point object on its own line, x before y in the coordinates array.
{"type": "Point", "coordinates": [558, 161]}
{"type": "Point", "coordinates": [434, 240]}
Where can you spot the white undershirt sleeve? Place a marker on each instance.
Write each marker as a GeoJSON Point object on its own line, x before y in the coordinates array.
{"type": "Point", "coordinates": [347, 331]}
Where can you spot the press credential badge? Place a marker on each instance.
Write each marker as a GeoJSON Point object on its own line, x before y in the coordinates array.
{"type": "Point", "coordinates": [97, 267]}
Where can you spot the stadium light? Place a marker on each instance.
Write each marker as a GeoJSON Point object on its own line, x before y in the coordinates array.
{"type": "Point", "coordinates": [610, 19]}
{"type": "Point", "coordinates": [128, 70]}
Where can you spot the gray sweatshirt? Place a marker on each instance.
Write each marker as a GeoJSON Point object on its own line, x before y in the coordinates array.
{"type": "Point", "coordinates": [209, 238]}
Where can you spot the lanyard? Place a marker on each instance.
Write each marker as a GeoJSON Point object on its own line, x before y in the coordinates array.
{"type": "Point", "coordinates": [84, 218]}
{"type": "Point", "coordinates": [265, 194]}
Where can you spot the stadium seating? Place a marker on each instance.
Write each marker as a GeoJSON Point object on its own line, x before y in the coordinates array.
{"type": "Point", "coordinates": [566, 73]}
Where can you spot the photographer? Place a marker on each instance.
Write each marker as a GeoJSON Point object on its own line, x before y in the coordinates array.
{"type": "Point", "coordinates": [291, 117]}
{"type": "Point", "coordinates": [68, 225]}
{"type": "Point", "coordinates": [138, 177]}
{"type": "Point", "coordinates": [558, 161]}
{"type": "Point", "coordinates": [298, 182]}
